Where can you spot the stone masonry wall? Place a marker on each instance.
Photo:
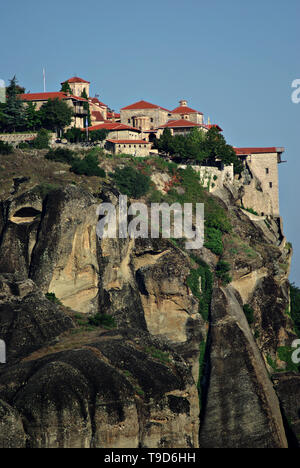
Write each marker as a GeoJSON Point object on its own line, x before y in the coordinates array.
{"type": "Point", "coordinates": [159, 116]}
{"type": "Point", "coordinates": [213, 178]}
{"type": "Point", "coordinates": [262, 194]}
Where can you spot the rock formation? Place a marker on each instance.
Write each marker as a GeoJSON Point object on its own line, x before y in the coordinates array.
{"type": "Point", "coordinates": [136, 385]}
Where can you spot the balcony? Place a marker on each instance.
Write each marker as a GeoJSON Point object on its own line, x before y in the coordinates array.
{"type": "Point", "coordinates": [79, 110]}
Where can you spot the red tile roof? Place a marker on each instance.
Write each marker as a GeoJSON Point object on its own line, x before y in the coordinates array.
{"type": "Point", "coordinates": [180, 123]}
{"type": "Point", "coordinates": [247, 151]}
{"type": "Point", "coordinates": [185, 110]}
{"type": "Point", "coordinates": [75, 79]}
{"type": "Point", "coordinates": [96, 101]}
{"type": "Point", "coordinates": [214, 125]}
{"type": "Point", "coordinates": [111, 114]}
{"type": "Point", "coordinates": [46, 96]}
{"type": "Point", "coordinates": [130, 142]}
{"type": "Point", "coordinates": [42, 96]}
{"type": "Point", "coordinates": [98, 116]}
{"type": "Point", "coordinates": [107, 125]}
{"type": "Point", "coordinates": [143, 105]}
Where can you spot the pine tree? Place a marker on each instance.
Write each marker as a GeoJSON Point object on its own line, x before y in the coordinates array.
{"type": "Point", "coordinates": [19, 89]}
{"type": "Point", "coordinates": [14, 110]}
{"type": "Point", "coordinates": [33, 117]}
{"type": "Point", "coordinates": [2, 116]}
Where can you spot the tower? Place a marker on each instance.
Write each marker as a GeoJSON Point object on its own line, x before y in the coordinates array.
{"type": "Point", "coordinates": [78, 85]}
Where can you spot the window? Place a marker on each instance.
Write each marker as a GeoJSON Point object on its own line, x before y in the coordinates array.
{"type": "Point", "coordinates": [128, 120]}
{"type": "Point", "coordinates": [151, 120]}
{"type": "Point", "coordinates": [267, 170]}
{"type": "Point", "coordinates": [271, 184]}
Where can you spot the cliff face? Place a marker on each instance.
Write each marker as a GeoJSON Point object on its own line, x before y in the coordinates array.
{"type": "Point", "coordinates": [136, 384]}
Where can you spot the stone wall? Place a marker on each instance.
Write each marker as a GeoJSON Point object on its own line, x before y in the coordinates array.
{"type": "Point", "coordinates": [16, 138]}
{"type": "Point", "coordinates": [124, 135]}
{"type": "Point", "coordinates": [262, 191]}
{"type": "Point", "coordinates": [195, 117]}
{"type": "Point", "coordinates": [136, 149]}
{"type": "Point", "coordinates": [157, 117]}
{"type": "Point", "coordinates": [77, 88]}
{"type": "Point", "coordinates": [95, 107]}
{"type": "Point", "coordinates": [214, 178]}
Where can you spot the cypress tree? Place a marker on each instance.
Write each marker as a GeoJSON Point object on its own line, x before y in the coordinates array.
{"type": "Point", "coordinates": [65, 88]}
{"type": "Point", "coordinates": [14, 109]}
{"type": "Point", "coordinates": [86, 106]}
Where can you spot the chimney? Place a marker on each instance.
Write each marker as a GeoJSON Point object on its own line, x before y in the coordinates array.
{"type": "Point", "coordinates": [183, 103]}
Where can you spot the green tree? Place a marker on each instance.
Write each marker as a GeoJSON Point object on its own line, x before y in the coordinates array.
{"type": "Point", "coordinates": [164, 143]}
{"type": "Point", "coordinates": [63, 155]}
{"type": "Point", "coordinates": [15, 87]}
{"type": "Point", "coordinates": [86, 106]}
{"type": "Point", "coordinates": [249, 312]}
{"type": "Point", "coordinates": [193, 143]}
{"type": "Point", "coordinates": [199, 147]}
{"type": "Point", "coordinates": [74, 135]}
{"type": "Point", "coordinates": [14, 110]}
{"type": "Point", "coordinates": [42, 139]}
{"type": "Point", "coordinates": [88, 166]}
{"type": "Point", "coordinates": [215, 147]}
{"type": "Point", "coordinates": [222, 272]}
{"type": "Point", "coordinates": [5, 148]}
{"type": "Point", "coordinates": [99, 135]}
{"type": "Point", "coordinates": [56, 115]}
{"type": "Point", "coordinates": [2, 117]}
{"type": "Point", "coordinates": [131, 182]}
{"type": "Point", "coordinates": [33, 117]}
{"type": "Point", "coordinates": [65, 88]}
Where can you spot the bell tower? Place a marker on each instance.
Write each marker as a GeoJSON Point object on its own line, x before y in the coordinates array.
{"type": "Point", "coordinates": [78, 85]}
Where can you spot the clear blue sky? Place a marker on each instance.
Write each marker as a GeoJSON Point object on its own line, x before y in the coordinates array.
{"type": "Point", "coordinates": [234, 60]}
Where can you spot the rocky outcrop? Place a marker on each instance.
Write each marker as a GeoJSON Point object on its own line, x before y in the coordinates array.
{"type": "Point", "coordinates": [136, 385]}
{"type": "Point", "coordinates": [52, 240]}
{"type": "Point", "coordinates": [246, 415]}
{"type": "Point", "coordinates": [124, 390]}
{"type": "Point", "coordinates": [12, 434]}
{"type": "Point", "coordinates": [28, 321]}
{"type": "Point", "coordinates": [287, 387]}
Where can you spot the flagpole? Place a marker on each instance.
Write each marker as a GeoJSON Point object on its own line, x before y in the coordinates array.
{"type": "Point", "coordinates": [44, 77]}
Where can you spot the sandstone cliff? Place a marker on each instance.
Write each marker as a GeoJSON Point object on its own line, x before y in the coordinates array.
{"type": "Point", "coordinates": [165, 375]}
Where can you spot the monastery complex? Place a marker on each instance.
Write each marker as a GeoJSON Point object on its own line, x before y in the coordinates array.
{"type": "Point", "coordinates": [133, 130]}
